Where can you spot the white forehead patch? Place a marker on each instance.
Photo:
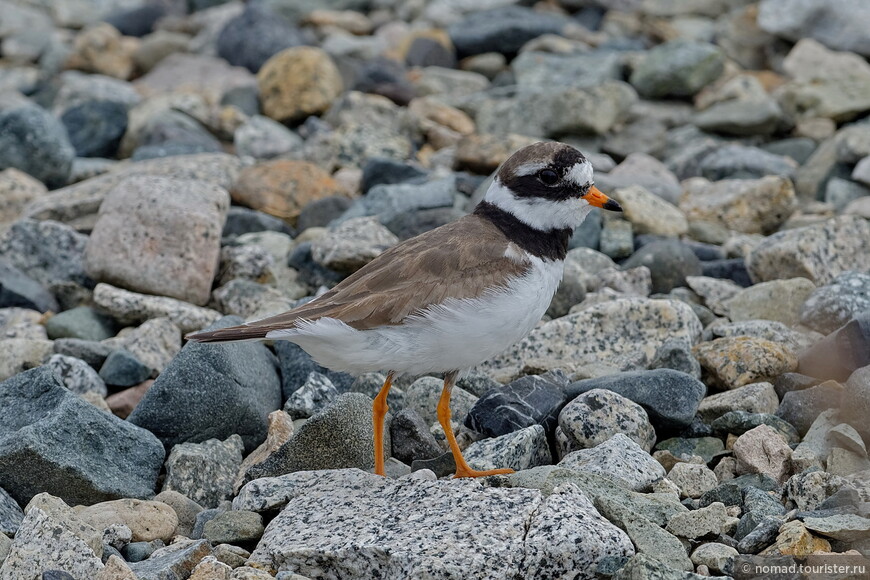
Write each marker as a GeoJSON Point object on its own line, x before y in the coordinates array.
{"type": "Point", "coordinates": [530, 168]}
{"type": "Point", "coordinates": [581, 173]}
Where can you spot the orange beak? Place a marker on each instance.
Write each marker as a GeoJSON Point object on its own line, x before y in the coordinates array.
{"type": "Point", "coordinates": [598, 199]}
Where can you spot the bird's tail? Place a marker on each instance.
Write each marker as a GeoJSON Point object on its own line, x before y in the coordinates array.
{"type": "Point", "coordinates": [231, 334]}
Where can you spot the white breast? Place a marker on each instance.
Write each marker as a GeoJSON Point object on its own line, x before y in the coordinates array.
{"type": "Point", "coordinates": [453, 335]}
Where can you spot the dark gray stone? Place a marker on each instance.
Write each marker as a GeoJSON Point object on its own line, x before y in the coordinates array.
{"type": "Point", "coordinates": [386, 171]}
{"type": "Point", "coordinates": [675, 355]}
{"type": "Point", "coordinates": [320, 212]}
{"type": "Point", "coordinates": [138, 551]}
{"type": "Point", "coordinates": [57, 575]}
{"type": "Point", "coordinates": [731, 492]}
{"type": "Point", "coordinates": [242, 220]}
{"type": "Point", "coordinates": [211, 391]}
{"type": "Point", "coordinates": [296, 365]}
{"type": "Point", "coordinates": [19, 289]}
{"type": "Point", "coordinates": [11, 514]}
{"type": "Point", "coordinates": [174, 562]}
{"type": "Point", "coordinates": [82, 322]}
{"type": "Point", "coordinates": [841, 353]}
{"type": "Point", "coordinates": [679, 68]}
{"type": "Point", "coordinates": [236, 527]}
{"type": "Point", "coordinates": [478, 383]}
{"type": "Point", "coordinates": [739, 422]}
{"type": "Point", "coordinates": [56, 442]}
{"type": "Point", "coordinates": [338, 437]}
{"type": "Point", "coordinates": [413, 223]}
{"type": "Point", "coordinates": [505, 30]}
{"type": "Point", "coordinates": [205, 516]}
{"type": "Point", "coordinates": [388, 202]}
{"type": "Point", "coordinates": [733, 269]}
{"type": "Point", "coordinates": [411, 438]}
{"type": "Point", "coordinates": [34, 141]}
{"type": "Point", "coordinates": [253, 37]}
{"type": "Point", "coordinates": [762, 536]}
{"type": "Point", "coordinates": [788, 382]}
{"type": "Point", "coordinates": [798, 148]}
{"type": "Point", "coordinates": [138, 21]}
{"type": "Point", "coordinates": [92, 352]}
{"type": "Point", "coordinates": [529, 400]}
{"type": "Point", "coordinates": [174, 133]}
{"type": "Point", "coordinates": [743, 162]}
{"type": "Point", "coordinates": [310, 272]}
{"type": "Point", "coordinates": [315, 393]}
{"type": "Point", "coordinates": [800, 408]}
{"type": "Point", "coordinates": [47, 251]}
{"type": "Point", "coordinates": [588, 235]}
{"type": "Point", "coordinates": [95, 128]}
{"type": "Point", "coordinates": [670, 397]}
{"type": "Point", "coordinates": [386, 77]}
{"type": "Point", "coordinates": [123, 369]}
{"type": "Point", "coordinates": [669, 262]}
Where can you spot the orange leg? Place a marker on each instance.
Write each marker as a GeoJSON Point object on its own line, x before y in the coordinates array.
{"type": "Point", "coordinates": [462, 468]}
{"type": "Point", "coordinates": [379, 411]}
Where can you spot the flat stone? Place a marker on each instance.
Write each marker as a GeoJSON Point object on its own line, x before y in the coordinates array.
{"type": "Point", "coordinates": [238, 382]}
{"type": "Point", "coordinates": [34, 141]}
{"type": "Point", "coordinates": [752, 398]}
{"type": "Point", "coordinates": [503, 29]}
{"type": "Point", "coordinates": [139, 243]}
{"type": "Point", "coordinates": [620, 459]}
{"type": "Point", "coordinates": [744, 162]}
{"type": "Point", "coordinates": [699, 523]}
{"type": "Point", "coordinates": [133, 308]}
{"type": "Point", "coordinates": [779, 300]}
{"type": "Point", "coordinates": [204, 472]}
{"type": "Point", "coordinates": [124, 463]}
{"type": "Point", "coordinates": [744, 205]}
{"type": "Point", "coordinates": [596, 415]}
{"type": "Point", "coordinates": [819, 252]}
{"type": "Point", "coordinates": [174, 562]}
{"type": "Point", "coordinates": [651, 214]}
{"type": "Point", "coordinates": [514, 548]}
{"type": "Point", "coordinates": [735, 362]}
{"type": "Point", "coordinates": [844, 527]}
{"type": "Point", "coordinates": [234, 527]}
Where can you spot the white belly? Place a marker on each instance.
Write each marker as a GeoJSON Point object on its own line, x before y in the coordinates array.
{"type": "Point", "coordinates": [454, 335]}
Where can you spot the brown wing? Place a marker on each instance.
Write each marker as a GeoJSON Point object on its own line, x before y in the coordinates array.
{"type": "Point", "coordinates": [458, 260]}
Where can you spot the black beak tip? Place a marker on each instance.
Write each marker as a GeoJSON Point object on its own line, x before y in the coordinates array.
{"type": "Point", "coordinates": [612, 205]}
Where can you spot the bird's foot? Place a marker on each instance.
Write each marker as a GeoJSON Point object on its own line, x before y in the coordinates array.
{"type": "Point", "coordinates": [468, 472]}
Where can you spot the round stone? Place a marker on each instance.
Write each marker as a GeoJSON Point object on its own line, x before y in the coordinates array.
{"type": "Point", "coordinates": [298, 82]}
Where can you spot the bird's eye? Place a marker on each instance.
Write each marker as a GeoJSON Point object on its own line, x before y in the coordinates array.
{"type": "Point", "coordinates": [548, 177]}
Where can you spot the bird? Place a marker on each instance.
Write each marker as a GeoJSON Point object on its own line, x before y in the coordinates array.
{"type": "Point", "coordinates": [452, 297]}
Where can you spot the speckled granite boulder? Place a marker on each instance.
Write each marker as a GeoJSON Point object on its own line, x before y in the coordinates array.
{"type": "Point", "coordinates": [831, 306]}
{"type": "Point", "coordinates": [46, 251]}
{"type": "Point", "coordinates": [820, 252]}
{"type": "Point", "coordinates": [59, 443]}
{"type": "Point", "coordinates": [734, 362]}
{"type": "Point", "coordinates": [521, 449]}
{"type": "Point", "coordinates": [515, 533]}
{"type": "Point", "coordinates": [625, 333]}
{"type": "Point", "coordinates": [204, 472]}
{"type": "Point", "coordinates": [619, 459]}
{"type": "Point", "coordinates": [596, 415]}
{"type": "Point", "coordinates": [159, 236]}
{"type": "Point", "coordinates": [750, 206]}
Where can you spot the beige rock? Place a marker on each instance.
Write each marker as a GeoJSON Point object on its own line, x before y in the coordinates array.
{"type": "Point", "coordinates": [779, 300]}
{"type": "Point", "coordinates": [649, 213]}
{"type": "Point", "coordinates": [352, 244]}
{"type": "Point", "coordinates": [132, 307]}
{"type": "Point", "coordinates": [209, 568]}
{"type": "Point", "coordinates": [57, 509]}
{"type": "Point", "coordinates": [208, 76]}
{"type": "Point", "coordinates": [159, 236]}
{"type": "Point", "coordinates": [753, 398]}
{"type": "Point", "coordinates": [148, 520]}
{"type": "Point", "coordinates": [116, 569]}
{"type": "Point", "coordinates": [693, 479]}
{"type": "Point", "coordinates": [483, 153]}
{"type": "Point", "coordinates": [737, 361]}
{"type": "Point", "coordinates": [19, 354]}
{"type": "Point", "coordinates": [17, 189]}
{"type": "Point", "coordinates": [298, 82]}
{"type": "Point", "coordinates": [763, 450]}
{"type": "Point", "coordinates": [795, 540]}
{"type": "Point", "coordinates": [101, 49]}
{"type": "Point", "coordinates": [280, 431]}
{"type": "Point", "coordinates": [155, 342]}
{"type": "Point", "coordinates": [283, 187]}
{"type": "Point", "coordinates": [750, 206]}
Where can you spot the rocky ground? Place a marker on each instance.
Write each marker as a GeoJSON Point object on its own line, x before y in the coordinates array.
{"type": "Point", "coordinates": [698, 393]}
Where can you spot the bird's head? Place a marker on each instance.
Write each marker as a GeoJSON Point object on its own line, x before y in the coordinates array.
{"type": "Point", "coordinates": [548, 186]}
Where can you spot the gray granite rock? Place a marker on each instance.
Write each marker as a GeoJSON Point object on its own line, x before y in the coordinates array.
{"type": "Point", "coordinates": [340, 436]}
{"type": "Point", "coordinates": [676, 356]}
{"type": "Point", "coordinates": [174, 562]}
{"type": "Point", "coordinates": [669, 261]}
{"type": "Point", "coordinates": [670, 398]}
{"type": "Point", "coordinates": [159, 235]}
{"type": "Point", "coordinates": [423, 396]}
{"type": "Point", "coordinates": [625, 333]}
{"type": "Point", "coordinates": [522, 449]}
{"type": "Point", "coordinates": [46, 541]}
{"type": "Point", "coordinates": [262, 138]}
{"type": "Point", "coordinates": [596, 415]}
{"type": "Point", "coordinates": [819, 252]}
{"type": "Point", "coordinates": [699, 523]}
{"type": "Point", "coordinates": [808, 490]}
{"type": "Point", "coordinates": [204, 472]}
{"type": "Point", "coordinates": [831, 306]}
{"type": "Point", "coordinates": [17, 289]}
{"type": "Point", "coordinates": [739, 422]}
{"type": "Point", "coordinates": [352, 244]}
{"type": "Point", "coordinates": [315, 393]}
{"type": "Point", "coordinates": [843, 527]}
{"type": "Point", "coordinates": [835, 23]}
{"type": "Point", "coordinates": [59, 443]}
{"type": "Point", "coordinates": [133, 308]}
{"type": "Point", "coordinates": [753, 398]}
{"type": "Point", "coordinates": [10, 514]}
{"type": "Point", "coordinates": [389, 201]}
{"type": "Point", "coordinates": [620, 459]}
{"type": "Point", "coordinates": [677, 69]}
{"type": "Point", "coordinates": [528, 534]}
{"type": "Point", "coordinates": [744, 205]}
{"type": "Point", "coordinates": [212, 391]}
{"type": "Point", "coordinates": [693, 479]}
{"type": "Point", "coordinates": [77, 375]}
{"type": "Point", "coordinates": [714, 555]}
{"type": "Point", "coordinates": [46, 250]}
{"type": "Point", "coordinates": [779, 300]}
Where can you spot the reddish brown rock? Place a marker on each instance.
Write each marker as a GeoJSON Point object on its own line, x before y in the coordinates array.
{"type": "Point", "coordinates": [123, 403]}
